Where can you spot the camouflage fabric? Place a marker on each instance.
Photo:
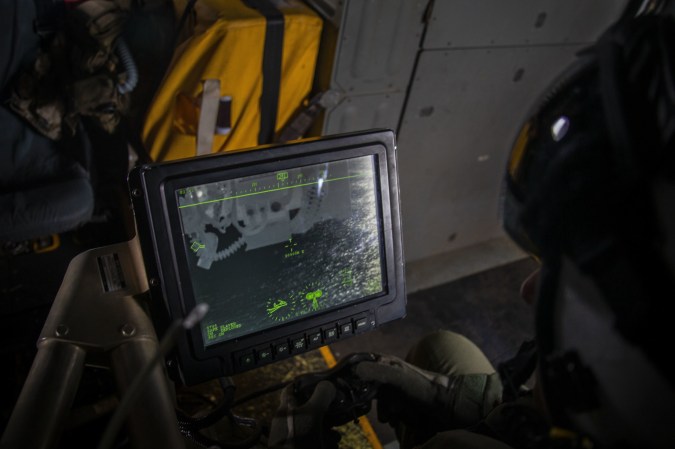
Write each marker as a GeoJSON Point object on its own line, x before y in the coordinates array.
{"type": "Point", "coordinates": [76, 74]}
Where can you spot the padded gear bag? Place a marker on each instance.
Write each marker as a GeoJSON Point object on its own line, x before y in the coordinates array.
{"type": "Point", "coordinates": [241, 76]}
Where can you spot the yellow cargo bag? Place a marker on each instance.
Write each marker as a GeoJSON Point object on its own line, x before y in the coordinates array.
{"type": "Point", "coordinates": [236, 82]}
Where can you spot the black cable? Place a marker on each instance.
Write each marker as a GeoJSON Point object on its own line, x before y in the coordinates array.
{"type": "Point", "coordinates": [190, 427]}
{"type": "Point", "coordinates": [264, 391]}
{"type": "Point", "coordinates": [191, 432]}
{"type": "Point", "coordinates": [190, 423]}
{"type": "Point", "coordinates": [196, 437]}
{"type": "Point", "coordinates": [216, 415]}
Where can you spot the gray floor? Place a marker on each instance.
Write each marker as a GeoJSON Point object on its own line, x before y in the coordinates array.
{"type": "Point", "coordinates": [485, 307]}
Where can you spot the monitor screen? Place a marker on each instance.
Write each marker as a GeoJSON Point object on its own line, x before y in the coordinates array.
{"type": "Point", "coordinates": [292, 246]}
{"type": "Point", "coordinates": [271, 248]}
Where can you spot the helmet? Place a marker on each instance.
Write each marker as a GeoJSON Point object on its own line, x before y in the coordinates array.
{"type": "Point", "coordinates": [590, 192]}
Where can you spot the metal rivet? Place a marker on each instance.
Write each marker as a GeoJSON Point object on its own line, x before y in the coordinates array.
{"type": "Point", "coordinates": [154, 282]}
{"type": "Point", "coordinates": [136, 192]}
{"type": "Point", "coordinates": [128, 330]}
{"type": "Point", "coordinates": [62, 330]}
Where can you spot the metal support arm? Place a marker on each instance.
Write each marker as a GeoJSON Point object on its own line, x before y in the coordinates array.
{"type": "Point", "coordinates": [98, 309]}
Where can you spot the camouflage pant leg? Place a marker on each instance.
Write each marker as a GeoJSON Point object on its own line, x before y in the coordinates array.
{"type": "Point", "coordinates": [449, 353]}
{"type": "Point", "coordinates": [443, 352]}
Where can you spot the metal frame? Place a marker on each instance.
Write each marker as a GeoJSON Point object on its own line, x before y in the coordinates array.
{"type": "Point", "coordinates": [99, 312]}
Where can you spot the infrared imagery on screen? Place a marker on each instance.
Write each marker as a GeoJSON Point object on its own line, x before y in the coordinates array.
{"type": "Point", "coordinates": [272, 248]}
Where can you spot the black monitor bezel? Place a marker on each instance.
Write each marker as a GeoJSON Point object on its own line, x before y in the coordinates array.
{"type": "Point", "coordinates": [200, 349]}
{"type": "Point", "coordinates": [153, 187]}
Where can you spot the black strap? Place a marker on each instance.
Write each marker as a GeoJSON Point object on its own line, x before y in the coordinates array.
{"type": "Point", "coordinates": [274, 44]}
{"type": "Point", "coordinates": [516, 371]}
{"type": "Point", "coordinates": [189, 8]}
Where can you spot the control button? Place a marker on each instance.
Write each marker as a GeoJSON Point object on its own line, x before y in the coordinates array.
{"type": "Point", "coordinates": [314, 338]}
{"type": "Point", "coordinates": [247, 359]}
{"type": "Point", "coordinates": [346, 328]}
{"type": "Point", "coordinates": [264, 354]}
{"type": "Point", "coordinates": [361, 324]}
{"type": "Point", "coordinates": [298, 344]}
{"type": "Point", "coordinates": [281, 349]}
{"type": "Point", "coordinates": [330, 334]}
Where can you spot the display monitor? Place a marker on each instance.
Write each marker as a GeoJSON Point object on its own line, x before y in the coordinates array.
{"type": "Point", "coordinates": [291, 246]}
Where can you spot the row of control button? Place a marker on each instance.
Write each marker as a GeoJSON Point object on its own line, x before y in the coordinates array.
{"type": "Point", "coordinates": [301, 343]}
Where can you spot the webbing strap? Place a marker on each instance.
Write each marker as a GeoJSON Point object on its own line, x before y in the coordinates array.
{"type": "Point", "coordinates": [208, 116]}
{"type": "Point", "coordinates": [272, 54]}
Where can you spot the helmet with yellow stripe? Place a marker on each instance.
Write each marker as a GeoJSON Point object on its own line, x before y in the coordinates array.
{"type": "Point", "coordinates": [590, 192]}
